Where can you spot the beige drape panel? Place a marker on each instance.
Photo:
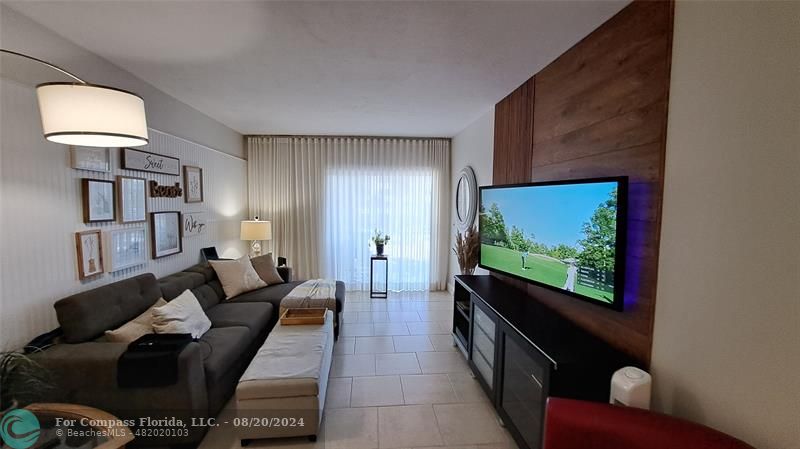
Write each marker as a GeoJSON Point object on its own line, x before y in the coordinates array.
{"type": "Point", "coordinates": [325, 196]}
{"type": "Point", "coordinates": [285, 182]}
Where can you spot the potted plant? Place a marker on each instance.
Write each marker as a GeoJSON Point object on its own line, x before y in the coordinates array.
{"type": "Point", "coordinates": [380, 240]}
{"type": "Point", "coordinates": [466, 250]}
{"type": "Point", "coordinates": [23, 380]}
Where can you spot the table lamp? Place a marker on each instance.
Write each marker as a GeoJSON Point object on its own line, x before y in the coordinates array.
{"type": "Point", "coordinates": [255, 231]}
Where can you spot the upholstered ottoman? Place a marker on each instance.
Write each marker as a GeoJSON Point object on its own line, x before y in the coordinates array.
{"type": "Point", "coordinates": [282, 392]}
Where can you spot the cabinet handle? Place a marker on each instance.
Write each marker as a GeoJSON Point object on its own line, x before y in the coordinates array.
{"type": "Point", "coordinates": [538, 382]}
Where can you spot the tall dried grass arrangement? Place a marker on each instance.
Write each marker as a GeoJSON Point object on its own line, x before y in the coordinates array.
{"type": "Point", "coordinates": [466, 250]}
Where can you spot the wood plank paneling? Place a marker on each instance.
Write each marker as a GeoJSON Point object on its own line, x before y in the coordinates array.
{"type": "Point", "coordinates": [513, 135]}
{"type": "Point", "coordinates": [600, 109]}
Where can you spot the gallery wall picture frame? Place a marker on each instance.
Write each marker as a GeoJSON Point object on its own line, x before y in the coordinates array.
{"type": "Point", "coordinates": [98, 200]}
{"type": "Point", "coordinates": [192, 184]}
{"type": "Point", "coordinates": [132, 199]}
{"type": "Point", "coordinates": [165, 234]}
{"type": "Point", "coordinates": [90, 158]}
{"type": "Point", "coordinates": [126, 248]}
{"type": "Point", "coordinates": [194, 223]}
{"type": "Point", "coordinates": [89, 246]}
{"type": "Point", "coordinates": [150, 162]}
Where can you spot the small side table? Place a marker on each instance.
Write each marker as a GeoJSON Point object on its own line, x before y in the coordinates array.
{"type": "Point", "coordinates": [110, 433]}
{"type": "Point", "coordinates": [373, 293]}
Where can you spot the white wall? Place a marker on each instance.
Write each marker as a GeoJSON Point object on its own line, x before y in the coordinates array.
{"type": "Point", "coordinates": [40, 207]}
{"type": "Point", "coordinates": [726, 348]}
{"type": "Point", "coordinates": [474, 146]}
{"type": "Point", "coordinates": [165, 113]}
{"type": "Point", "coordinates": [40, 210]}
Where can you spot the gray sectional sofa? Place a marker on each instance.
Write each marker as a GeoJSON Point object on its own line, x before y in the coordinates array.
{"type": "Point", "coordinates": [85, 367]}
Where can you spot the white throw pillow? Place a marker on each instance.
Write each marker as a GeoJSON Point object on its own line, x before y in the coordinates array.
{"type": "Point", "coordinates": [182, 315]}
{"type": "Point", "coordinates": [135, 328]}
{"type": "Point", "coordinates": [237, 276]}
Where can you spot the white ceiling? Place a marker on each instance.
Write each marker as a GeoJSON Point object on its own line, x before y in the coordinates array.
{"type": "Point", "coordinates": [366, 68]}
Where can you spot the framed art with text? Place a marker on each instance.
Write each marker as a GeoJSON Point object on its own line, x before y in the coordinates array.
{"type": "Point", "coordinates": [150, 162]}
{"type": "Point", "coordinates": [194, 223]}
{"type": "Point", "coordinates": [165, 233]}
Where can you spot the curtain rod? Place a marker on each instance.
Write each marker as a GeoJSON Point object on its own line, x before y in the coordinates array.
{"type": "Point", "coordinates": [329, 136]}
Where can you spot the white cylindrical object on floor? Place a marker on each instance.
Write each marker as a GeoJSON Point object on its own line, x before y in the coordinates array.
{"type": "Point", "coordinates": [631, 386]}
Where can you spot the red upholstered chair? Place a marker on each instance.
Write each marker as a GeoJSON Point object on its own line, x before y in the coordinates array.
{"type": "Point", "coordinates": [571, 424]}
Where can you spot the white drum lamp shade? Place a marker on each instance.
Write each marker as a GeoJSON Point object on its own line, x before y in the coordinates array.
{"type": "Point", "coordinates": [256, 230]}
{"type": "Point", "coordinates": [91, 115]}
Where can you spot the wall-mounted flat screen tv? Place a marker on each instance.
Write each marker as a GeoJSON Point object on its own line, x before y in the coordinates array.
{"type": "Point", "coordinates": [568, 236]}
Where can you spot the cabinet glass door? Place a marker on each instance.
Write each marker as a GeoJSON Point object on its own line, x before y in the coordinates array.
{"type": "Point", "coordinates": [483, 336]}
{"type": "Point", "coordinates": [524, 390]}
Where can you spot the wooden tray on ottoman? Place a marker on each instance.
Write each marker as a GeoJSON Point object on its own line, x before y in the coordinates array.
{"type": "Point", "coordinates": [311, 315]}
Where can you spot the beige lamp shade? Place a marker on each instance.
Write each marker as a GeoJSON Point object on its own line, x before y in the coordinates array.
{"type": "Point", "coordinates": [256, 230]}
{"type": "Point", "coordinates": [91, 115]}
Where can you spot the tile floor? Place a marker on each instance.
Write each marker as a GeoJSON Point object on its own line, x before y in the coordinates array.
{"type": "Point", "coordinates": [397, 381]}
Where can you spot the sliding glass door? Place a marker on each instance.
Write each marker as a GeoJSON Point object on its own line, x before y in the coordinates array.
{"type": "Point", "coordinates": [393, 200]}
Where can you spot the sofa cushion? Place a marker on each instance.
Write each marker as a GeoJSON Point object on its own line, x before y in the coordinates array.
{"type": "Point", "coordinates": [203, 269]}
{"type": "Point", "coordinates": [226, 354]}
{"type": "Point", "coordinates": [254, 316]}
{"type": "Point", "coordinates": [87, 315]}
{"type": "Point", "coordinates": [209, 295]}
{"type": "Point", "coordinates": [222, 348]}
{"type": "Point", "coordinates": [175, 284]}
{"type": "Point", "coordinates": [275, 293]}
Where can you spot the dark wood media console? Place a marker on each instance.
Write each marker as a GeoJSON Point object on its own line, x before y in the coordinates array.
{"type": "Point", "coordinates": [522, 352]}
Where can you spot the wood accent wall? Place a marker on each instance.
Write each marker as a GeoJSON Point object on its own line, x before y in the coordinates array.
{"type": "Point", "coordinates": [600, 109]}
{"type": "Point", "coordinates": [513, 131]}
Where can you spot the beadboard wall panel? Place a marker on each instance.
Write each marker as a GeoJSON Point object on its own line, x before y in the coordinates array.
{"type": "Point", "coordinates": [40, 210]}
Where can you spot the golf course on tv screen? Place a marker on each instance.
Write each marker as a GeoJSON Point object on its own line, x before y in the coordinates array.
{"type": "Point", "coordinates": [560, 235]}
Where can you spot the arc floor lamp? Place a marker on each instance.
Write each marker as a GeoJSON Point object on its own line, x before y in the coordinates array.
{"type": "Point", "coordinates": [84, 114]}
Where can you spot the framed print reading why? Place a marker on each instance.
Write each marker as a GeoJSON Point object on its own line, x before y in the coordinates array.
{"type": "Point", "coordinates": [132, 199]}
{"type": "Point", "coordinates": [194, 223]}
{"type": "Point", "coordinates": [150, 162]}
{"type": "Point", "coordinates": [165, 233]}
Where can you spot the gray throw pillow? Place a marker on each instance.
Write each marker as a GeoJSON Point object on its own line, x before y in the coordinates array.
{"type": "Point", "coordinates": [265, 267]}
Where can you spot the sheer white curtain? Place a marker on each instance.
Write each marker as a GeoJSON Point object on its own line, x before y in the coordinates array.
{"type": "Point", "coordinates": [399, 186]}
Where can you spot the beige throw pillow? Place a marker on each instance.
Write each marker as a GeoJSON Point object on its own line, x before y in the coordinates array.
{"type": "Point", "coordinates": [237, 276]}
{"type": "Point", "coordinates": [135, 328]}
{"type": "Point", "coordinates": [182, 315]}
{"type": "Point", "coordinates": [265, 267]}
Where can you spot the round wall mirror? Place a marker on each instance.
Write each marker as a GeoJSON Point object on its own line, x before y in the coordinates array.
{"type": "Point", "coordinates": [466, 199]}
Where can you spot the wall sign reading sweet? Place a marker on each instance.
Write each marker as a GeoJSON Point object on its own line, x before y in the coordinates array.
{"type": "Point", "coordinates": [150, 162]}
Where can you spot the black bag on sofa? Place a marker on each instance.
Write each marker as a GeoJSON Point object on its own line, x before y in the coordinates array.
{"type": "Point", "coordinates": [151, 361]}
